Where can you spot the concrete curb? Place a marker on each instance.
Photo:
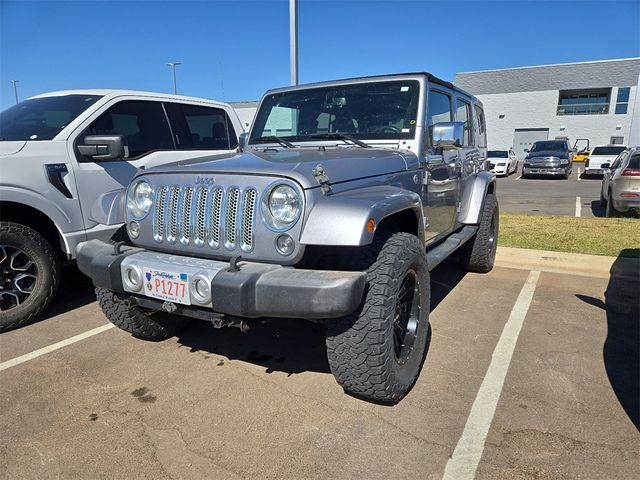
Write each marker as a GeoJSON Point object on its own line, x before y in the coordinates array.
{"type": "Point", "coordinates": [569, 263]}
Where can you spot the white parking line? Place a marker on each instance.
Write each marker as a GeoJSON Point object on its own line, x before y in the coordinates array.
{"type": "Point", "coordinates": [579, 174]}
{"type": "Point", "coordinates": [463, 463]}
{"type": "Point", "coordinates": [578, 207]}
{"type": "Point", "coordinates": [56, 346]}
{"type": "Point", "coordinates": [519, 177]}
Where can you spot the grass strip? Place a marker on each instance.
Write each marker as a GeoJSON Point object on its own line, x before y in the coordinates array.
{"type": "Point", "coordinates": [595, 236]}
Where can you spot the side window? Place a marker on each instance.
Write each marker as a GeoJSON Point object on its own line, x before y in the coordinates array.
{"type": "Point", "coordinates": [201, 128]}
{"type": "Point", "coordinates": [463, 114]}
{"type": "Point", "coordinates": [144, 125]}
{"type": "Point", "coordinates": [618, 161]}
{"type": "Point", "coordinates": [482, 128]}
{"type": "Point", "coordinates": [438, 110]}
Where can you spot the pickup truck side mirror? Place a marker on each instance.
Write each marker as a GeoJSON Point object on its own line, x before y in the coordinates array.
{"type": "Point", "coordinates": [448, 135]}
{"type": "Point", "coordinates": [104, 147]}
{"type": "Point", "coordinates": [242, 140]}
{"type": "Point", "coordinates": [605, 166]}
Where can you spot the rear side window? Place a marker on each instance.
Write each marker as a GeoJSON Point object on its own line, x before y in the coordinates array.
{"type": "Point", "coordinates": [144, 125]}
{"type": "Point", "coordinates": [201, 128]}
{"type": "Point", "coordinates": [608, 150]}
{"type": "Point", "coordinates": [481, 127]}
{"type": "Point", "coordinates": [463, 114]}
{"type": "Point", "coordinates": [438, 111]}
{"type": "Point", "coordinates": [634, 162]}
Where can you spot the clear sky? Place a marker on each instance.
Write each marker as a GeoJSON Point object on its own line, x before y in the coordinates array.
{"type": "Point", "coordinates": [235, 50]}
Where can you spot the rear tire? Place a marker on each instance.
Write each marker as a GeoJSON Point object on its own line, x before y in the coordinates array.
{"type": "Point", "coordinates": [377, 352]}
{"type": "Point", "coordinates": [29, 275]}
{"type": "Point", "coordinates": [479, 253]}
{"type": "Point", "coordinates": [610, 210]}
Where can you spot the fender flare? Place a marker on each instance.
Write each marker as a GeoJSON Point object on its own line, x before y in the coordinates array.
{"type": "Point", "coordinates": [473, 197]}
{"type": "Point", "coordinates": [341, 219]}
{"type": "Point", "coordinates": [109, 208]}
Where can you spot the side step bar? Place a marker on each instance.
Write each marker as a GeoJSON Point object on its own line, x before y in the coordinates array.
{"type": "Point", "coordinates": [438, 253]}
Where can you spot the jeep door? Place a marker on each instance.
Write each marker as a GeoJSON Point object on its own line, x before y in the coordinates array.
{"type": "Point", "coordinates": [440, 185]}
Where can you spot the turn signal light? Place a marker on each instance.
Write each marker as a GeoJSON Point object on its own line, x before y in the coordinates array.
{"type": "Point", "coordinates": [631, 172]}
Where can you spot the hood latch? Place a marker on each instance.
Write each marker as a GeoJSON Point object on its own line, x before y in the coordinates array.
{"type": "Point", "coordinates": [322, 179]}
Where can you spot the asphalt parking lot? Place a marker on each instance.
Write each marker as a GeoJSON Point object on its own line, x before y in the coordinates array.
{"type": "Point", "coordinates": [577, 196]}
{"type": "Point", "coordinates": [528, 375]}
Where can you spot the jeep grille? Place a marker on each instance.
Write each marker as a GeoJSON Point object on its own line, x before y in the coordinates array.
{"type": "Point", "coordinates": [215, 217]}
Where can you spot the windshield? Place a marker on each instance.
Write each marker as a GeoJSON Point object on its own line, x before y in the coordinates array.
{"type": "Point", "coordinates": [381, 110]}
{"type": "Point", "coordinates": [42, 118]}
{"type": "Point", "coordinates": [608, 150]}
{"type": "Point", "coordinates": [549, 145]}
{"type": "Point", "coordinates": [497, 153]}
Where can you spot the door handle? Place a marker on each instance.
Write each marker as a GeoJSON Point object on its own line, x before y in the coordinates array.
{"type": "Point", "coordinates": [54, 174]}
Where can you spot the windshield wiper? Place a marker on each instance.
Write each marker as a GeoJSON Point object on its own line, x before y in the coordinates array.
{"type": "Point", "coordinates": [340, 136]}
{"type": "Point", "coordinates": [273, 138]}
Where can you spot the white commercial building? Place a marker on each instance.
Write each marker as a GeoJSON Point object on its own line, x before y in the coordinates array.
{"type": "Point", "coordinates": [599, 101]}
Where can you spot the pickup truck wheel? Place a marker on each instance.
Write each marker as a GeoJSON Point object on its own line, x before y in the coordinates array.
{"type": "Point", "coordinates": [376, 353]}
{"type": "Point", "coordinates": [479, 253]}
{"type": "Point", "coordinates": [29, 275]}
{"type": "Point", "coordinates": [143, 324]}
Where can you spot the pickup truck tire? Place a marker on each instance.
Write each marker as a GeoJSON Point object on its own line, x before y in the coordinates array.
{"type": "Point", "coordinates": [479, 253]}
{"type": "Point", "coordinates": [29, 275]}
{"type": "Point", "coordinates": [143, 324]}
{"type": "Point", "coordinates": [377, 352]}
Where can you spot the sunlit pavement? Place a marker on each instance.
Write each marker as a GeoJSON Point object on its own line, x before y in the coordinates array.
{"type": "Point", "coordinates": [222, 404]}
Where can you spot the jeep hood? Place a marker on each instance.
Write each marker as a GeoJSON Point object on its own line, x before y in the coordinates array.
{"type": "Point", "coordinates": [339, 164]}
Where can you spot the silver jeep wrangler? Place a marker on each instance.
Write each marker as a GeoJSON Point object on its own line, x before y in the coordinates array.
{"type": "Point", "coordinates": [344, 196]}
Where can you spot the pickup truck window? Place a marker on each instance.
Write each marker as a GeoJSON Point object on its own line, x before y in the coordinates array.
{"type": "Point", "coordinates": [201, 128]}
{"type": "Point", "coordinates": [143, 124]}
{"type": "Point", "coordinates": [42, 118]}
{"type": "Point", "coordinates": [380, 110]}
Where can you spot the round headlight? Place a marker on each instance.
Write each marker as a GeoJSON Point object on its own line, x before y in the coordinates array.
{"type": "Point", "coordinates": [284, 204]}
{"type": "Point", "coordinates": [139, 199]}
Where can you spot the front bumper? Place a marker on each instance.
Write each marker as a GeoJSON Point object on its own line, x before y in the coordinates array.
{"type": "Point", "coordinates": [254, 290]}
{"type": "Point", "coordinates": [499, 169]}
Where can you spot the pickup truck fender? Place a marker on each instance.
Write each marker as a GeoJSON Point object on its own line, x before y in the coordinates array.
{"type": "Point", "coordinates": [341, 219]}
{"type": "Point", "coordinates": [109, 208]}
{"type": "Point", "coordinates": [473, 197]}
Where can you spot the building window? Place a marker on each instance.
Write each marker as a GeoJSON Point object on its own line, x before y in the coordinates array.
{"type": "Point", "coordinates": [622, 101]}
{"type": "Point", "coordinates": [616, 141]}
{"type": "Point", "coordinates": [584, 102]}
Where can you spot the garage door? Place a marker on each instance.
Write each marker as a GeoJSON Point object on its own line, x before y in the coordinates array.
{"type": "Point", "coordinates": [525, 137]}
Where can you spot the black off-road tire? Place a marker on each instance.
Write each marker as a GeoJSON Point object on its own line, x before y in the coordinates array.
{"type": "Point", "coordinates": [479, 253]}
{"type": "Point", "coordinates": [360, 347]}
{"type": "Point", "coordinates": [47, 268]}
{"type": "Point", "coordinates": [141, 323]}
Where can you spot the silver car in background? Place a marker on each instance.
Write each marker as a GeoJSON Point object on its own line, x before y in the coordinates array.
{"type": "Point", "coordinates": [621, 184]}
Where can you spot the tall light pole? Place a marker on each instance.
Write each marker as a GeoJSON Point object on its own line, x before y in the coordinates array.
{"type": "Point", "coordinates": [173, 66]}
{"type": "Point", "coordinates": [15, 88]}
{"type": "Point", "coordinates": [293, 45]}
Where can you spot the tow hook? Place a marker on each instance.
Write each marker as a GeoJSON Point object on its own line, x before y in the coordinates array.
{"type": "Point", "coordinates": [229, 321]}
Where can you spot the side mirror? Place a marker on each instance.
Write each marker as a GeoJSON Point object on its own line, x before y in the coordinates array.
{"type": "Point", "coordinates": [448, 135]}
{"type": "Point", "coordinates": [104, 147]}
{"type": "Point", "coordinates": [526, 150]}
{"type": "Point", "coordinates": [605, 166]}
{"type": "Point", "coordinates": [242, 140]}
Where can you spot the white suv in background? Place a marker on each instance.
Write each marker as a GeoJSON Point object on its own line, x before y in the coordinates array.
{"type": "Point", "coordinates": [61, 151]}
{"type": "Point", "coordinates": [599, 155]}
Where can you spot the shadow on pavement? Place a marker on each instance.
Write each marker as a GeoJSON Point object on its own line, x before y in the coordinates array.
{"type": "Point", "coordinates": [621, 352]}
{"type": "Point", "coordinates": [596, 209]}
{"type": "Point", "coordinates": [76, 290]}
{"type": "Point", "coordinates": [291, 345]}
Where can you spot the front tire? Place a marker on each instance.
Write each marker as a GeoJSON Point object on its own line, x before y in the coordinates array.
{"type": "Point", "coordinates": [29, 275]}
{"type": "Point", "coordinates": [377, 352]}
{"type": "Point", "coordinates": [479, 253]}
{"type": "Point", "coordinates": [141, 323]}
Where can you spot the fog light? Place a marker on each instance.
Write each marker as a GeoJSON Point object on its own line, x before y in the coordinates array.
{"type": "Point", "coordinates": [201, 289]}
{"type": "Point", "coordinates": [285, 245]}
{"type": "Point", "coordinates": [133, 278]}
{"type": "Point", "coordinates": [134, 229]}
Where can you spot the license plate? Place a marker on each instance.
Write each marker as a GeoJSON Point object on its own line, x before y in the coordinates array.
{"type": "Point", "coordinates": [170, 286]}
